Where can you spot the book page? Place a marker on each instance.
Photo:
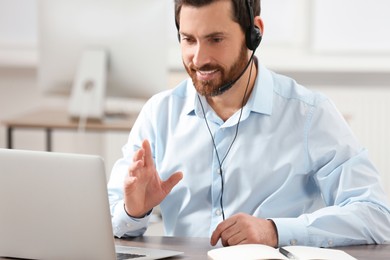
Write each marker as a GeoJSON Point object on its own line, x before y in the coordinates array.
{"type": "Point", "coordinates": [249, 251]}
{"type": "Point", "coordinates": [311, 253]}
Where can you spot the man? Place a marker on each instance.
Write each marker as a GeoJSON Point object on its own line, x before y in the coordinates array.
{"type": "Point", "coordinates": [240, 154]}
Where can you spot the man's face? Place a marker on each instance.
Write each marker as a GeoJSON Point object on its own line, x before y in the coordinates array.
{"type": "Point", "coordinates": [213, 46]}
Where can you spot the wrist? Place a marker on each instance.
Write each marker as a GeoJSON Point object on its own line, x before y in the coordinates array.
{"type": "Point", "coordinates": [136, 215]}
{"type": "Point", "coordinates": [274, 239]}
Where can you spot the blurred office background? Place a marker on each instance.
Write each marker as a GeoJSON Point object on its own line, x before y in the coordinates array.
{"type": "Point", "coordinates": [338, 47]}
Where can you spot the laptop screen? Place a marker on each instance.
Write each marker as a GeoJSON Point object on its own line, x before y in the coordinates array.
{"type": "Point", "coordinates": [54, 206]}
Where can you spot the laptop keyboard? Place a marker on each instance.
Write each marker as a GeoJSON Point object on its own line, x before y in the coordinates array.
{"type": "Point", "coordinates": [122, 256]}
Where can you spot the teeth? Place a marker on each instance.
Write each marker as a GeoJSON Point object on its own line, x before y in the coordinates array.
{"type": "Point", "coordinates": [207, 72]}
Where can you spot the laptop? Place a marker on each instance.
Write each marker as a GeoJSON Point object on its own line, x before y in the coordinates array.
{"type": "Point", "coordinates": [55, 206]}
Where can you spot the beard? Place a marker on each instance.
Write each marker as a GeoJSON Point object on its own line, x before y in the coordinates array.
{"type": "Point", "coordinates": [210, 88]}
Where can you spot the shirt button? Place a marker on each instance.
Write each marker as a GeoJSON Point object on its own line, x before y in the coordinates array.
{"type": "Point", "coordinates": [218, 212]}
{"type": "Point", "coordinates": [330, 242]}
{"type": "Point", "coordinates": [219, 170]}
{"type": "Point", "coordinates": [128, 224]}
{"type": "Point", "coordinates": [293, 242]}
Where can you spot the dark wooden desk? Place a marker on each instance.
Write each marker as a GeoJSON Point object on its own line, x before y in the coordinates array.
{"type": "Point", "coordinates": [196, 248]}
{"type": "Point", "coordinates": [57, 119]}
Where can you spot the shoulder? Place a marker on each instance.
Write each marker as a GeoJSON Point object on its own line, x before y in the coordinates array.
{"type": "Point", "coordinates": [289, 89]}
{"type": "Point", "coordinates": [171, 99]}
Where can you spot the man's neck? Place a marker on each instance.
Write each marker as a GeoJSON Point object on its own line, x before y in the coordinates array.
{"type": "Point", "coordinates": [228, 103]}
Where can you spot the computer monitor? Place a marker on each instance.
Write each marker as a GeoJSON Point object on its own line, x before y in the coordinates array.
{"type": "Point", "coordinates": [90, 49]}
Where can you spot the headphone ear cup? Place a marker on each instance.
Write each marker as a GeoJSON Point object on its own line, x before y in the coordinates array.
{"type": "Point", "coordinates": [253, 38]}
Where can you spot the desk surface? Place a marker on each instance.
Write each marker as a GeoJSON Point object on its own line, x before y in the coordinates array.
{"type": "Point", "coordinates": [59, 119]}
{"type": "Point", "coordinates": [196, 248]}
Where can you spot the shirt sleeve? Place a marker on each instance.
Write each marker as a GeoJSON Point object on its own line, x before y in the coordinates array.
{"type": "Point", "coordinates": [124, 225]}
{"type": "Point", "coordinates": [357, 210]}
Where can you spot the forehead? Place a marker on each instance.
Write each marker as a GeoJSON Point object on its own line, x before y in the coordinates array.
{"type": "Point", "coordinates": [217, 16]}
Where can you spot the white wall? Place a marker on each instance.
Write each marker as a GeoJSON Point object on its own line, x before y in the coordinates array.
{"type": "Point", "coordinates": [339, 47]}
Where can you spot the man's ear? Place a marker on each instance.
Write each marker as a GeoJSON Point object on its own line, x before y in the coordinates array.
{"type": "Point", "coordinates": [258, 22]}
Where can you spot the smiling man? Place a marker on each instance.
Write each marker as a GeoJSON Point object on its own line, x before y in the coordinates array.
{"type": "Point", "coordinates": [241, 154]}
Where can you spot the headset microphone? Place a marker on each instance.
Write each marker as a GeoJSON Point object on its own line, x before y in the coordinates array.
{"type": "Point", "coordinates": [228, 85]}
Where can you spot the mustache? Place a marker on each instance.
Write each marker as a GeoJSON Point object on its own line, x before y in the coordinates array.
{"type": "Point", "coordinates": [205, 67]}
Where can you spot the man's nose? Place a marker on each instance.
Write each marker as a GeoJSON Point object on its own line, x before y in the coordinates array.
{"type": "Point", "coordinates": [201, 55]}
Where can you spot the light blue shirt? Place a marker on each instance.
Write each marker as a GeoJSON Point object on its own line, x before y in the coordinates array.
{"type": "Point", "coordinates": [295, 161]}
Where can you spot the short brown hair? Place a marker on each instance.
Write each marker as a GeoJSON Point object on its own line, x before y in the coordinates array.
{"type": "Point", "coordinates": [240, 12]}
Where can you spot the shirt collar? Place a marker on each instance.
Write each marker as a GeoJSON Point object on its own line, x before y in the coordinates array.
{"type": "Point", "coordinates": [261, 99]}
{"type": "Point", "coordinates": [190, 107]}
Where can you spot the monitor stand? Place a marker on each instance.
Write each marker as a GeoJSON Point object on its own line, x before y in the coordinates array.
{"type": "Point", "coordinates": [89, 87]}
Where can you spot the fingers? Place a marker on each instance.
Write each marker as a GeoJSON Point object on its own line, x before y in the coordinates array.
{"type": "Point", "coordinates": [221, 228]}
{"type": "Point", "coordinates": [171, 182]}
{"type": "Point", "coordinates": [135, 166]}
{"type": "Point", "coordinates": [148, 158]}
{"type": "Point", "coordinates": [230, 232]}
{"type": "Point", "coordinates": [244, 228]}
{"type": "Point", "coordinates": [236, 239]}
{"type": "Point", "coordinates": [138, 161]}
{"type": "Point", "coordinates": [139, 157]}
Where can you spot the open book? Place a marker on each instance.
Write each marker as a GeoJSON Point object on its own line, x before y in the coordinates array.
{"type": "Point", "coordinates": [257, 251]}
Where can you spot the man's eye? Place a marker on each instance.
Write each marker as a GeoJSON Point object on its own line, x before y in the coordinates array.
{"type": "Point", "coordinates": [187, 40]}
{"type": "Point", "coordinates": [217, 40]}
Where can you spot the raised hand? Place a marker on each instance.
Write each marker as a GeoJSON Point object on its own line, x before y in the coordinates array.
{"type": "Point", "coordinates": [143, 188]}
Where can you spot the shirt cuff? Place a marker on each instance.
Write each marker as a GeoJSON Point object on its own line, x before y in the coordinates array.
{"type": "Point", "coordinates": [291, 231]}
{"type": "Point", "coordinates": [125, 225]}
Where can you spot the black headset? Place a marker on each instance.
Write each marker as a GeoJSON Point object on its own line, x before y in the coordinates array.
{"type": "Point", "coordinates": [252, 34]}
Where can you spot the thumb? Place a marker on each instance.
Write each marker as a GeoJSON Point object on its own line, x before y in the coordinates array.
{"type": "Point", "coordinates": [171, 182]}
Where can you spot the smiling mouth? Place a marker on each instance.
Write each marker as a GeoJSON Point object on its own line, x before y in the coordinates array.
{"type": "Point", "coordinates": [206, 74]}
